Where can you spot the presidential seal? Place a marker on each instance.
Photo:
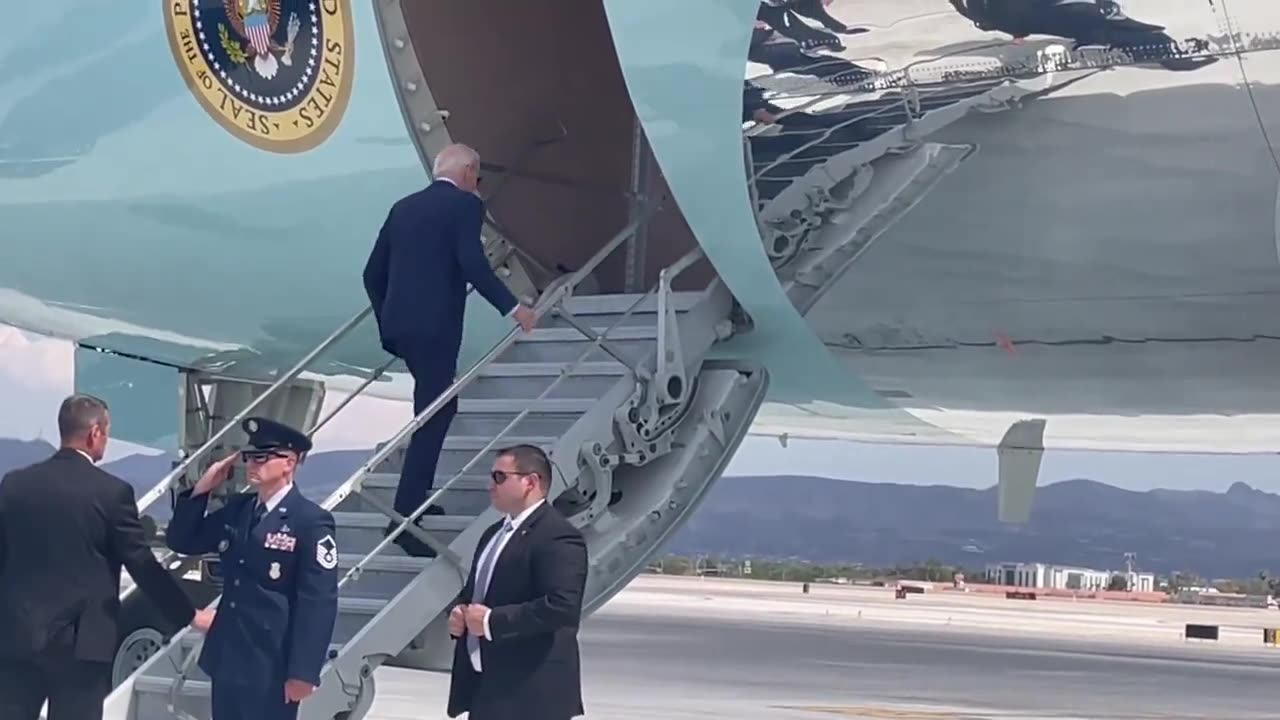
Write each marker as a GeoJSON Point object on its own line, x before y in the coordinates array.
{"type": "Point", "coordinates": [275, 73]}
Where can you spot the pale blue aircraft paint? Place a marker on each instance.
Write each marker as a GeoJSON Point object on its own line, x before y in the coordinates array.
{"type": "Point", "coordinates": [122, 199]}
{"type": "Point", "coordinates": [130, 220]}
{"type": "Point", "coordinates": [687, 91]}
{"type": "Point", "coordinates": [123, 202]}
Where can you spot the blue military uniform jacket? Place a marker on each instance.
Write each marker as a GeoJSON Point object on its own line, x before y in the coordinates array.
{"type": "Point", "coordinates": [280, 592]}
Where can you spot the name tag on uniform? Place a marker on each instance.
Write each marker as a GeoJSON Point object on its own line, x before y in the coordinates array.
{"type": "Point", "coordinates": [280, 541]}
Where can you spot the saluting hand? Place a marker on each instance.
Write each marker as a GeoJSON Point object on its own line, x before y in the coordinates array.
{"type": "Point", "coordinates": [215, 475]}
{"type": "Point", "coordinates": [295, 691]}
{"type": "Point", "coordinates": [457, 620]}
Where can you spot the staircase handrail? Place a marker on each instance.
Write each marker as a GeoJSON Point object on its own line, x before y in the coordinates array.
{"type": "Point", "coordinates": [667, 275]}
{"type": "Point", "coordinates": [549, 300]}
{"type": "Point", "coordinates": [168, 481]}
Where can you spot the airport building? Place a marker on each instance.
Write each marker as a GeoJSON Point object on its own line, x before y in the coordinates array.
{"type": "Point", "coordinates": [1062, 577]}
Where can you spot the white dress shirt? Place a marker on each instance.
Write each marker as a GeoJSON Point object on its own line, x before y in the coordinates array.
{"type": "Point", "coordinates": [275, 498]}
{"type": "Point", "coordinates": [495, 546]}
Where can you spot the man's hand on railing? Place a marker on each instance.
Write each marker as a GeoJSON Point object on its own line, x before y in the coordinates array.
{"type": "Point", "coordinates": [214, 476]}
{"type": "Point", "coordinates": [526, 318]}
{"type": "Point", "coordinates": [203, 619]}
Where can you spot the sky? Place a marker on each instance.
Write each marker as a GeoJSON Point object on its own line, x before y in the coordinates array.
{"type": "Point", "coordinates": [37, 372]}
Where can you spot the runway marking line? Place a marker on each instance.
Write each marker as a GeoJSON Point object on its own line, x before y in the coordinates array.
{"type": "Point", "coordinates": [868, 712]}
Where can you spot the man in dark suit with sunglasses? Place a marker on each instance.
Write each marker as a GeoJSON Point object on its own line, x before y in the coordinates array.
{"type": "Point", "coordinates": [516, 619]}
{"type": "Point", "coordinates": [279, 560]}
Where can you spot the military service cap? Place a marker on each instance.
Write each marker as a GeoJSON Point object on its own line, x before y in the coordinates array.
{"type": "Point", "coordinates": [265, 435]}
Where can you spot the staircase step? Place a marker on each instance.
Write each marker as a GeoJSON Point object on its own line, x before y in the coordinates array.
{"type": "Point", "coordinates": [550, 369]}
{"type": "Point", "coordinates": [152, 698]}
{"type": "Point", "coordinates": [530, 387]}
{"type": "Point", "coordinates": [490, 416]}
{"type": "Point", "coordinates": [562, 345]}
{"type": "Point", "coordinates": [377, 521]}
{"type": "Point", "coordinates": [151, 692]}
{"type": "Point", "coordinates": [382, 578]}
{"type": "Point", "coordinates": [615, 313]}
{"type": "Point", "coordinates": [618, 304]}
{"type": "Point", "coordinates": [501, 393]}
{"type": "Point", "coordinates": [360, 532]}
{"type": "Point", "coordinates": [353, 615]}
{"type": "Point", "coordinates": [545, 406]}
{"type": "Point", "coordinates": [572, 335]}
{"type": "Point", "coordinates": [458, 451]}
{"type": "Point", "coordinates": [384, 563]}
{"type": "Point", "coordinates": [476, 442]}
{"type": "Point", "coordinates": [474, 481]}
{"type": "Point", "coordinates": [496, 423]}
{"type": "Point", "coordinates": [469, 495]}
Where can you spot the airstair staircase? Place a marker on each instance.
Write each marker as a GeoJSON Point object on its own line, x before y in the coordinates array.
{"type": "Point", "coordinates": [823, 196]}
{"type": "Point", "coordinates": [637, 421]}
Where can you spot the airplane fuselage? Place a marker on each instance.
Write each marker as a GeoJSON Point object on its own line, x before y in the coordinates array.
{"type": "Point", "coordinates": [1093, 244]}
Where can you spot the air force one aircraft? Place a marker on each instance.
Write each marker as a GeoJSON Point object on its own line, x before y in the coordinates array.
{"type": "Point", "coordinates": [1020, 224]}
{"type": "Point", "coordinates": [973, 213]}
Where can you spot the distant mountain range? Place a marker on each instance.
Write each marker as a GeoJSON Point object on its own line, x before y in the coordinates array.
{"type": "Point", "coordinates": [1076, 522]}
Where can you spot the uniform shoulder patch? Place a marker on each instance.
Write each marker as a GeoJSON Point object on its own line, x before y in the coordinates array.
{"type": "Point", "coordinates": [327, 552]}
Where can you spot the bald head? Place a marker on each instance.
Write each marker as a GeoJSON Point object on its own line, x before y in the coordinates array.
{"type": "Point", "coordinates": [459, 163]}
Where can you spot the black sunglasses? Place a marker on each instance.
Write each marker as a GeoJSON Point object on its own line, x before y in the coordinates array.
{"type": "Point", "coordinates": [500, 476]}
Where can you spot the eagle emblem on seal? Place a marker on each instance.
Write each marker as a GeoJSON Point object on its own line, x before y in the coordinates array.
{"type": "Point", "coordinates": [254, 23]}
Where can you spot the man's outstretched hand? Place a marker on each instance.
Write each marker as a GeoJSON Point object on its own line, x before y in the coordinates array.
{"type": "Point", "coordinates": [203, 619]}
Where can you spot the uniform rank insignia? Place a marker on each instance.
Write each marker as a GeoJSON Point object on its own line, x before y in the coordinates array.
{"type": "Point", "coordinates": [280, 541]}
{"type": "Point", "coordinates": [274, 571]}
{"type": "Point", "coordinates": [327, 552]}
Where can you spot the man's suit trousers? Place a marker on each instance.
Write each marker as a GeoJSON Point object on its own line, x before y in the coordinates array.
{"type": "Point", "coordinates": [433, 364]}
{"type": "Point", "coordinates": [74, 688]}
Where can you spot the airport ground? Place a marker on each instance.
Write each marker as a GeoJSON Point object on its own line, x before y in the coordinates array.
{"type": "Point", "coordinates": [677, 647]}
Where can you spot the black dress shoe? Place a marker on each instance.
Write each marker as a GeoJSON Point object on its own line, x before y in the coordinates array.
{"type": "Point", "coordinates": [413, 547]}
{"type": "Point", "coordinates": [408, 542]}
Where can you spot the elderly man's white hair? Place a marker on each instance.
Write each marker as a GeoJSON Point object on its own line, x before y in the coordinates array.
{"type": "Point", "coordinates": [453, 159]}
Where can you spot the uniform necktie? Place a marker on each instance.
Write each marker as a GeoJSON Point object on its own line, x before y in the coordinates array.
{"type": "Point", "coordinates": [482, 577]}
{"type": "Point", "coordinates": [259, 511]}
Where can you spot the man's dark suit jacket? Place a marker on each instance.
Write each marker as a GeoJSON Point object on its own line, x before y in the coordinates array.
{"type": "Point", "coordinates": [429, 248]}
{"type": "Point", "coordinates": [66, 527]}
{"type": "Point", "coordinates": [531, 668]}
